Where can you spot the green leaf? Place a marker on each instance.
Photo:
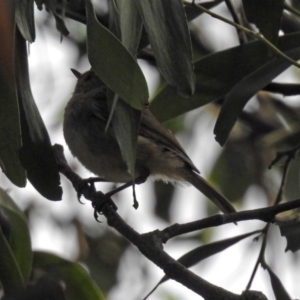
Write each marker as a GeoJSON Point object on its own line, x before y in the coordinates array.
{"type": "Point", "coordinates": [10, 275]}
{"type": "Point", "coordinates": [19, 238]}
{"type": "Point", "coordinates": [277, 286]}
{"type": "Point", "coordinates": [266, 15]}
{"type": "Point", "coordinates": [37, 156]}
{"type": "Point", "coordinates": [131, 25]}
{"type": "Point", "coordinates": [18, 249]}
{"type": "Point", "coordinates": [200, 253]}
{"type": "Point", "coordinates": [25, 19]}
{"type": "Point", "coordinates": [239, 96]}
{"type": "Point", "coordinates": [79, 285]}
{"type": "Point", "coordinates": [114, 64]}
{"type": "Point", "coordinates": [10, 130]}
{"type": "Point", "coordinates": [167, 29]}
{"type": "Point", "coordinates": [216, 75]}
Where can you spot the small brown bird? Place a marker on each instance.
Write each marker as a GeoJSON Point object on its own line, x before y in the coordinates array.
{"type": "Point", "coordinates": [159, 154]}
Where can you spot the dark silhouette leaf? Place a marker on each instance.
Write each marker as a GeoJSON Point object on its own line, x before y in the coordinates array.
{"type": "Point", "coordinates": [290, 229]}
{"type": "Point", "coordinates": [167, 29]}
{"type": "Point", "coordinates": [36, 155]}
{"type": "Point", "coordinates": [60, 25]}
{"type": "Point", "coordinates": [277, 286]}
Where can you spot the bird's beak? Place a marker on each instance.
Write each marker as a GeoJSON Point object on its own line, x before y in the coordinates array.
{"type": "Point", "coordinates": [76, 73]}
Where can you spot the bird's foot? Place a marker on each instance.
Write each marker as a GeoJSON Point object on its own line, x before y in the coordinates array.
{"type": "Point", "coordinates": [86, 183]}
{"type": "Point", "coordinates": [98, 204]}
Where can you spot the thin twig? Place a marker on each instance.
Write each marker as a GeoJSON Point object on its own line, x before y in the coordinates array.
{"type": "Point", "coordinates": [257, 35]}
{"type": "Point", "coordinates": [261, 256]}
{"type": "Point", "coordinates": [266, 214]}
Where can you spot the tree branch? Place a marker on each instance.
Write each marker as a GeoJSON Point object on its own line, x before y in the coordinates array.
{"type": "Point", "coordinates": [149, 244]}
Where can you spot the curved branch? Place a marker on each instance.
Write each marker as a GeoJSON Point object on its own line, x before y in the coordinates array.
{"type": "Point", "coordinates": [149, 244]}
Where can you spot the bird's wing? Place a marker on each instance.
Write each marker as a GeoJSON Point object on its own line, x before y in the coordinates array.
{"type": "Point", "coordinates": [152, 129]}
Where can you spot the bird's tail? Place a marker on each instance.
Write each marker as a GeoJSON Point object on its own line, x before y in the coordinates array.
{"type": "Point", "coordinates": [210, 192]}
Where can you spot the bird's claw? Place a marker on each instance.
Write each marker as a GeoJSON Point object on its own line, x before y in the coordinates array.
{"type": "Point", "coordinates": [99, 202]}
{"type": "Point", "coordinates": [86, 183]}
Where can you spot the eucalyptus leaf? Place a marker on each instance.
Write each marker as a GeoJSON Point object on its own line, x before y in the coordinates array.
{"type": "Point", "coordinates": [167, 29]}
{"type": "Point", "coordinates": [114, 64]}
{"type": "Point", "coordinates": [37, 156]}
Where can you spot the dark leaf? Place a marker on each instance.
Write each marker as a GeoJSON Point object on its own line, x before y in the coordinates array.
{"type": "Point", "coordinates": [10, 129]}
{"type": "Point", "coordinates": [36, 155]}
{"type": "Point", "coordinates": [266, 15]}
{"type": "Point", "coordinates": [168, 33]}
{"type": "Point", "coordinates": [195, 256]}
{"type": "Point", "coordinates": [60, 25]}
{"type": "Point", "coordinates": [278, 288]}
{"type": "Point", "coordinates": [238, 97]}
{"type": "Point", "coordinates": [290, 229]}
{"type": "Point", "coordinates": [79, 285]}
{"type": "Point", "coordinates": [216, 75]}
{"type": "Point", "coordinates": [131, 25]}
{"type": "Point", "coordinates": [25, 19]}
{"type": "Point", "coordinates": [114, 64]}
